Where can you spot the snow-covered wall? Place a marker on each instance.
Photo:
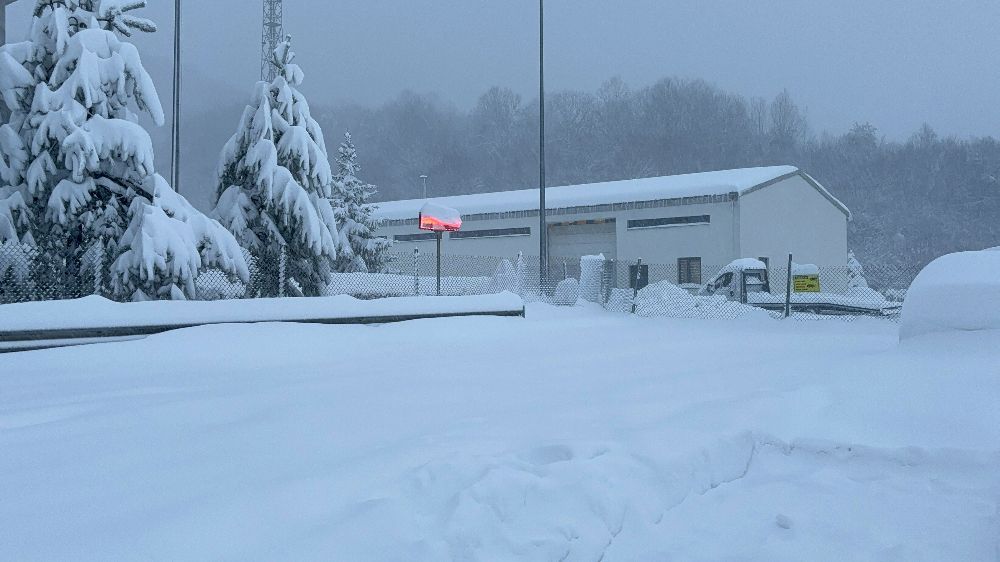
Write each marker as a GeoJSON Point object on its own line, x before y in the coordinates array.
{"type": "Point", "coordinates": [956, 292]}
{"type": "Point", "coordinates": [793, 217]}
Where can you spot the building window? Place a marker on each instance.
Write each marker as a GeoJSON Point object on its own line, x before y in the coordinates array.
{"type": "Point", "coordinates": [689, 271]}
{"type": "Point", "coordinates": [669, 221]}
{"type": "Point", "coordinates": [414, 237]}
{"type": "Point", "coordinates": [491, 233]}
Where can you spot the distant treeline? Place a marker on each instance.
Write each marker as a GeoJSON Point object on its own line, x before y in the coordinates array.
{"type": "Point", "coordinates": [912, 200]}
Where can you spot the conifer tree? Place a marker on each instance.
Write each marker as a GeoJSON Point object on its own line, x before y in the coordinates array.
{"type": "Point", "coordinates": [78, 177]}
{"type": "Point", "coordinates": [364, 251]}
{"type": "Point", "coordinates": [275, 184]}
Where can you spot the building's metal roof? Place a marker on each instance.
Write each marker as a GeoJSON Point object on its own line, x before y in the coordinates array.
{"type": "Point", "coordinates": [694, 186]}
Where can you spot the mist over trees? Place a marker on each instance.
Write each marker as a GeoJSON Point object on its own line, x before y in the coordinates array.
{"type": "Point", "coordinates": [912, 200]}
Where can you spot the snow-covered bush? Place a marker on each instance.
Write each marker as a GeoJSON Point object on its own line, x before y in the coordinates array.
{"type": "Point", "coordinates": [855, 273]}
{"type": "Point", "coordinates": [505, 278]}
{"type": "Point", "coordinates": [361, 249]}
{"type": "Point", "coordinates": [567, 292]}
{"type": "Point", "coordinates": [275, 183]}
{"type": "Point", "coordinates": [78, 170]}
{"type": "Point", "coordinates": [956, 292]}
{"type": "Point", "coordinates": [666, 299]}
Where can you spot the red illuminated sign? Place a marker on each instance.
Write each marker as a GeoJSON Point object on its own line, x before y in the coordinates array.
{"type": "Point", "coordinates": [439, 219]}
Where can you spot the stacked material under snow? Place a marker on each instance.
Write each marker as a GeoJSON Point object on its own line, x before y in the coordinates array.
{"type": "Point", "coordinates": [956, 292]}
{"type": "Point", "coordinates": [666, 299]}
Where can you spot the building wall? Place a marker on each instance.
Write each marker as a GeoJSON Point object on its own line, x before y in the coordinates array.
{"type": "Point", "coordinates": [789, 216]}
{"type": "Point", "coordinates": [793, 217]}
{"type": "Point", "coordinates": [505, 246]}
{"type": "Point", "coordinates": [714, 242]}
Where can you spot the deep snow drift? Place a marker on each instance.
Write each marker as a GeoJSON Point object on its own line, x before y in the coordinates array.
{"type": "Point", "coordinates": [572, 434]}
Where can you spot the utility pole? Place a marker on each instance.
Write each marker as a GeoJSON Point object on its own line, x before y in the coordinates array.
{"type": "Point", "coordinates": [273, 33]}
{"type": "Point", "coordinates": [543, 249]}
{"type": "Point", "coordinates": [175, 129]}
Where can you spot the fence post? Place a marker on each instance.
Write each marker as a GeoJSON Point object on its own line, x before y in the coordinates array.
{"type": "Point", "coordinates": [99, 269]}
{"type": "Point", "coordinates": [788, 288]}
{"type": "Point", "coordinates": [282, 259]}
{"type": "Point", "coordinates": [635, 286]}
{"type": "Point", "coordinates": [416, 272]}
{"type": "Point", "coordinates": [439, 236]}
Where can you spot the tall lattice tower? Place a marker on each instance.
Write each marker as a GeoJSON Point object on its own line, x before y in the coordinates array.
{"type": "Point", "coordinates": [272, 35]}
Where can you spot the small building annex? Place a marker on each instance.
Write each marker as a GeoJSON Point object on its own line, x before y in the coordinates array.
{"type": "Point", "coordinates": [696, 222]}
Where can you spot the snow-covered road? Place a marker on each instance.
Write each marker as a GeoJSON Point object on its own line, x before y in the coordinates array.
{"type": "Point", "coordinates": [573, 434]}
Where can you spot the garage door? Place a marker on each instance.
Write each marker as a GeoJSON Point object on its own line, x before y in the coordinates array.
{"type": "Point", "coordinates": [572, 240]}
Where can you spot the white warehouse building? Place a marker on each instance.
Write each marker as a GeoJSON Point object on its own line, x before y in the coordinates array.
{"type": "Point", "coordinates": [697, 222]}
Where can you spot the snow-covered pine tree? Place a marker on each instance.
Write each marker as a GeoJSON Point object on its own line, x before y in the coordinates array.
{"type": "Point", "coordinates": [855, 273]}
{"type": "Point", "coordinates": [362, 250]}
{"type": "Point", "coordinates": [275, 184]}
{"type": "Point", "coordinates": [79, 168]}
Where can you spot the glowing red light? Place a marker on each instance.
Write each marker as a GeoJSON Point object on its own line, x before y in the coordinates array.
{"type": "Point", "coordinates": [429, 222]}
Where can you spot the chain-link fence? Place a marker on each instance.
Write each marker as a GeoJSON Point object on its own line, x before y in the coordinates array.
{"type": "Point", "coordinates": [685, 289]}
{"type": "Point", "coordinates": [750, 287]}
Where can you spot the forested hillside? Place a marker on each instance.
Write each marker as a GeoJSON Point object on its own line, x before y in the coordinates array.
{"type": "Point", "coordinates": [912, 200]}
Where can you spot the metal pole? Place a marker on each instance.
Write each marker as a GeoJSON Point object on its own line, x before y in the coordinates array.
{"type": "Point", "coordinates": [3, 21]}
{"type": "Point", "coordinates": [416, 272]}
{"type": "Point", "coordinates": [635, 288]}
{"type": "Point", "coordinates": [788, 289]}
{"type": "Point", "coordinates": [424, 177]}
{"type": "Point", "coordinates": [543, 249]}
{"type": "Point", "coordinates": [439, 236]}
{"type": "Point", "coordinates": [175, 139]}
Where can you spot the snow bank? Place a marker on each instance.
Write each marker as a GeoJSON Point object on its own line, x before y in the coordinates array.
{"type": "Point", "coordinates": [956, 292]}
{"type": "Point", "coordinates": [591, 272]}
{"type": "Point", "coordinates": [666, 299]}
{"type": "Point", "coordinates": [98, 312]}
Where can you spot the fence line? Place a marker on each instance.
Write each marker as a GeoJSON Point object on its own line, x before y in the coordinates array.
{"type": "Point", "coordinates": [677, 290]}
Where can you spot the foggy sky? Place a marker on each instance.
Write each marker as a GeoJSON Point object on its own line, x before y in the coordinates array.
{"type": "Point", "coordinates": [895, 63]}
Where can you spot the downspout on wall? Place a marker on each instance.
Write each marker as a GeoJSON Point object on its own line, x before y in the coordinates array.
{"type": "Point", "coordinates": [737, 228]}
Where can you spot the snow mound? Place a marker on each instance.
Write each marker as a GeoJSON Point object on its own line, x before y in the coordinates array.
{"type": "Point", "coordinates": [956, 292]}
{"type": "Point", "coordinates": [666, 299]}
{"type": "Point", "coordinates": [567, 292]}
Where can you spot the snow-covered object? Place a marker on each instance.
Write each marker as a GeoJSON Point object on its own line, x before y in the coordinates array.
{"type": "Point", "coordinates": [644, 189]}
{"type": "Point", "coordinates": [804, 269]}
{"type": "Point", "coordinates": [666, 299]}
{"type": "Point", "coordinates": [77, 168]}
{"type": "Point", "coordinates": [275, 181]}
{"type": "Point", "coordinates": [505, 278]}
{"type": "Point", "coordinates": [591, 273]}
{"type": "Point", "coordinates": [956, 292]}
{"type": "Point", "coordinates": [567, 292]}
{"type": "Point", "coordinates": [360, 248]}
{"type": "Point", "coordinates": [742, 264]}
{"type": "Point", "coordinates": [855, 274]}
{"type": "Point", "coordinates": [438, 217]}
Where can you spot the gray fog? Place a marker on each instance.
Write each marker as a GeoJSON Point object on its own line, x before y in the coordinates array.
{"type": "Point", "coordinates": [895, 63]}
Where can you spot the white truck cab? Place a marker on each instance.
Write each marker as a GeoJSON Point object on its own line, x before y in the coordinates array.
{"type": "Point", "coordinates": [738, 279]}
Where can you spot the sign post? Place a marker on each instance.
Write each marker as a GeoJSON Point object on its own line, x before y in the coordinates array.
{"type": "Point", "coordinates": [439, 219]}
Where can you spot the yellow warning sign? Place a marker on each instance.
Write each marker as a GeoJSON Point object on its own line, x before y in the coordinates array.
{"type": "Point", "coordinates": [806, 283]}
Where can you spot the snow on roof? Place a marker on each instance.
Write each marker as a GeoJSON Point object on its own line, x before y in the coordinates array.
{"type": "Point", "coordinates": [645, 189]}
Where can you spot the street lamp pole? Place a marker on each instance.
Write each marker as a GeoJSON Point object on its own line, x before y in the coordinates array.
{"type": "Point", "coordinates": [543, 249]}
{"type": "Point", "coordinates": [175, 132]}
{"type": "Point", "coordinates": [424, 178]}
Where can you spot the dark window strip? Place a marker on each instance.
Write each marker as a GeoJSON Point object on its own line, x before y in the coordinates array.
{"type": "Point", "coordinates": [414, 237]}
{"type": "Point", "coordinates": [669, 221]}
{"type": "Point", "coordinates": [491, 233]}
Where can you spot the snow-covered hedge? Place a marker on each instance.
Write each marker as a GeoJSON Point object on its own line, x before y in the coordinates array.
{"type": "Point", "coordinates": [956, 292]}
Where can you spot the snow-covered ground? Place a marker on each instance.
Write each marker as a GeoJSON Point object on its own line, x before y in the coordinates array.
{"type": "Point", "coordinates": [572, 434]}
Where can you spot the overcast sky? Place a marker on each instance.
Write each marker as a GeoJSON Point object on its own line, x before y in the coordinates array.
{"type": "Point", "coordinates": [895, 63]}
